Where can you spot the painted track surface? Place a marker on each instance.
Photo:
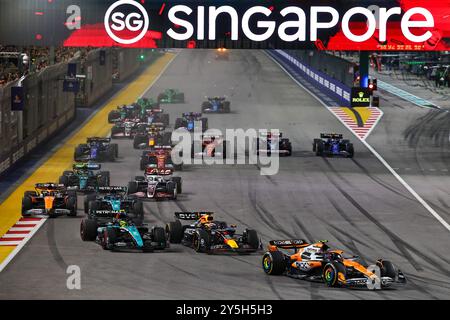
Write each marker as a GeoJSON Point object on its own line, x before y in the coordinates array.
{"type": "Point", "coordinates": [356, 204]}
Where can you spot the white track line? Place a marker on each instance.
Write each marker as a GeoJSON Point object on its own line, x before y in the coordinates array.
{"type": "Point", "coordinates": [16, 250]}
{"type": "Point", "coordinates": [375, 153]}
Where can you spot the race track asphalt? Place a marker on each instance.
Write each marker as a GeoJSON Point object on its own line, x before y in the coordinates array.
{"type": "Point", "coordinates": [355, 204]}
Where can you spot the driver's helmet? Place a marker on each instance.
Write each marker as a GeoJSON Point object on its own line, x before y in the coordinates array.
{"type": "Point", "coordinates": [207, 218]}
{"type": "Point", "coordinates": [123, 223]}
{"type": "Point", "coordinates": [333, 256]}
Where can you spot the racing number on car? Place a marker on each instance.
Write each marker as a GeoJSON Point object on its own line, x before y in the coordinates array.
{"type": "Point", "coordinates": [374, 283]}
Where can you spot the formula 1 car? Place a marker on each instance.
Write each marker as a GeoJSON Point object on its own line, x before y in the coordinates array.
{"type": "Point", "coordinates": [49, 199]}
{"type": "Point", "coordinates": [127, 128]}
{"type": "Point", "coordinates": [156, 186]}
{"type": "Point", "coordinates": [83, 178]}
{"type": "Point", "coordinates": [97, 149]}
{"type": "Point", "coordinates": [210, 236]}
{"type": "Point", "coordinates": [272, 143]}
{"type": "Point", "coordinates": [146, 104]}
{"type": "Point", "coordinates": [211, 146]}
{"type": "Point", "coordinates": [222, 54]}
{"type": "Point", "coordinates": [114, 199]}
{"type": "Point", "coordinates": [152, 136]}
{"type": "Point", "coordinates": [317, 262]}
{"type": "Point", "coordinates": [171, 96]}
{"type": "Point", "coordinates": [156, 117]}
{"type": "Point", "coordinates": [332, 144]}
{"type": "Point", "coordinates": [161, 156]}
{"type": "Point", "coordinates": [124, 112]}
{"type": "Point", "coordinates": [122, 234]}
{"type": "Point", "coordinates": [189, 121]}
{"type": "Point", "coordinates": [216, 105]}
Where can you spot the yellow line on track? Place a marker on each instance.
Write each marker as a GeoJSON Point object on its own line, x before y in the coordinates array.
{"type": "Point", "coordinates": [62, 159]}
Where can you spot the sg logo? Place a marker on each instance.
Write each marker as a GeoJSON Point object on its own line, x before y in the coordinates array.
{"type": "Point", "coordinates": [117, 21]}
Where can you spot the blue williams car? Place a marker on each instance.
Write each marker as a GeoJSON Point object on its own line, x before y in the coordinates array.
{"type": "Point", "coordinates": [122, 234]}
{"type": "Point", "coordinates": [96, 149]}
{"type": "Point", "coordinates": [216, 105]}
{"type": "Point", "coordinates": [332, 144]}
{"type": "Point", "coordinates": [191, 120]}
{"type": "Point", "coordinates": [84, 178]}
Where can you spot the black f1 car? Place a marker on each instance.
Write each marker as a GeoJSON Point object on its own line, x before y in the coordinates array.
{"type": "Point", "coordinates": [84, 178]}
{"type": "Point", "coordinates": [216, 105]}
{"type": "Point", "coordinates": [97, 149]}
{"type": "Point", "coordinates": [121, 233]}
{"type": "Point", "coordinates": [49, 199]}
{"type": "Point", "coordinates": [210, 236]}
{"type": "Point", "coordinates": [332, 144]}
{"type": "Point", "coordinates": [272, 143]}
{"type": "Point", "coordinates": [114, 199]}
{"type": "Point", "coordinates": [190, 121]}
{"type": "Point", "coordinates": [317, 262]}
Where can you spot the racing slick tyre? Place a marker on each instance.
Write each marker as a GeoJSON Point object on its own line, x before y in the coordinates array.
{"type": "Point", "coordinates": [179, 123]}
{"type": "Point", "coordinates": [174, 231]}
{"type": "Point", "coordinates": [167, 138]}
{"type": "Point", "coordinates": [93, 206]}
{"type": "Point", "coordinates": [201, 241]}
{"type": "Point", "coordinates": [161, 97]}
{"type": "Point", "coordinates": [88, 230]}
{"type": "Point", "coordinates": [172, 189]}
{"type": "Point", "coordinates": [273, 263]}
{"type": "Point", "coordinates": [78, 153]}
{"type": "Point", "coordinates": [109, 238]}
{"type": "Point", "coordinates": [315, 143]}
{"type": "Point", "coordinates": [159, 236]}
{"type": "Point", "coordinates": [330, 273]}
{"type": "Point", "coordinates": [226, 107]}
{"type": "Point", "coordinates": [88, 198]}
{"type": "Point", "coordinates": [64, 180]}
{"type": "Point", "coordinates": [138, 209]}
{"type": "Point", "coordinates": [113, 115]}
{"type": "Point", "coordinates": [138, 140]}
{"type": "Point", "coordinates": [350, 150]}
{"type": "Point", "coordinates": [139, 178]}
{"type": "Point", "coordinates": [252, 239]}
{"type": "Point", "coordinates": [111, 153]}
{"type": "Point", "coordinates": [205, 106]}
{"type": "Point", "coordinates": [319, 148]}
{"type": "Point", "coordinates": [143, 163]}
{"type": "Point", "coordinates": [71, 205]}
{"type": "Point", "coordinates": [132, 187]}
{"type": "Point", "coordinates": [204, 124]}
{"type": "Point", "coordinates": [116, 150]}
{"type": "Point", "coordinates": [387, 269]}
{"type": "Point", "coordinates": [27, 203]}
{"type": "Point", "coordinates": [179, 183]}
{"type": "Point", "coordinates": [103, 180]}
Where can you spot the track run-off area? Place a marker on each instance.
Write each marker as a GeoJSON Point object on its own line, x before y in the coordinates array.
{"type": "Point", "coordinates": [358, 204]}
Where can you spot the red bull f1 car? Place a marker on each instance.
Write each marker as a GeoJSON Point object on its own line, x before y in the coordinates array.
{"type": "Point", "coordinates": [332, 144]}
{"type": "Point", "coordinates": [317, 262]}
{"type": "Point", "coordinates": [211, 236]}
{"type": "Point", "coordinates": [152, 135]}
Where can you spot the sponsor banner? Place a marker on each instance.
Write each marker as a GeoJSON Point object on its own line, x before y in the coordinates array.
{"type": "Point", "coordinates": [400, 25]}
{"type": "Point", "coordinates": [360, 97]}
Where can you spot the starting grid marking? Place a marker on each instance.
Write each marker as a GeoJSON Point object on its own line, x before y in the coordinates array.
{"type": "Point", "coordinates": [21, 232]}
{"type": "Point", "coordinates": [364, 131]}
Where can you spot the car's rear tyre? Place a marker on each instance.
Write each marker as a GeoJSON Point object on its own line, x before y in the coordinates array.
{"type": "Point", "coordinates": [88, 230]}
{"type": "Point", "coordinates": [174, 231]}
{"type": "Point", "coordinates": [27, 203]}
{"type": "Point", "coordinates": [71, 205]}
{"type": "Point", "coordinates": [159, 236]}
{"type": "Point", "coordinates": [350, 150]}
{"type": "Point", "coordinates": [387, 269]}
{"type": "Point", "coordinates": [93, 206]}
{"type": "Point", "coordinates": [330, 273]}
{"type": "Point", "coordinates": [273, 263]}
{"type": "Point", "coordinates": [138, 210]}
{"type": "Point", "coordinates": [103, 180]}
{"type": "Point", "coordinates": [205, 106]}
{"type": "Point", "coordinates": [111, 153]}
{"type": "Point", "coordinates": [252, 239]}
{"type": "Point", "coordinates": [78, 153]}
{"type": "Point", "coordinates": [201, 241]}
{"type": "Point", "coordinates": [204, 124]}
{"type": "Point", "coordinates": [64, 180]}
{"type": "Point", "coordinates": [88, 198]}
{"type": "Point", "coordinates": [138, 140]}
{"type": "Point", "coordinates": [132, 187]}
{"type": "Point", "coordinates": [179, 183]}
{"type": "Point", "coordinates": [319, 148]}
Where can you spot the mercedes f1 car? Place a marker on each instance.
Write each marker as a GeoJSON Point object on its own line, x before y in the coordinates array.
{"type": "Point", "coordinates": [49, 199]}
{"type": "Point", "coordinates": [190, 121]}
{"type": "Point", "coordinates": [317, 262]}
{"type": "Point", "coordinates": [210, 236]}
{"type": "Point", "coordinates": [331, 144]}
{"type": "Point", "coordinates": [97, 149]}
{"type": "Point", "coordinates": [272, 143]}
{"type": "Point", "coordinates": [216, 105]}
{"type": "Point", "coordinates": [122, 234]}
{"type": "Point", "coordinates": [114, 199]}
{"type": "Point", "coordinates": [83, 178]}
{"type": "Point", "coordinates": [171, 96]}
{"type": "Point", "coordinates": [156, 186]}
{"type": "Point", "coordinates": [152, 136]}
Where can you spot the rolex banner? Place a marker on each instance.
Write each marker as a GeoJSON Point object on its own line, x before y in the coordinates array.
{"type": "Point", "coordinates": [360, 97]}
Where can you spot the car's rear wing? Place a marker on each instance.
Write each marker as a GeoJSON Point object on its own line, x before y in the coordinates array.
{"type": "Point", "coordinates": [331, 136]}
{"type": "Point", "coordinates": [98, 139]}
{"type": "Point", "coordinates": [87, 166]}
{"type": "Point", "coordinates": [107, 213]}
{"type": "Point", "coordinates": [152, 169]}
{"type": "Point", "coordinates": [191, 215]}
{"type": "Point", "coordinates": [112, 189]}
{"type": "Point", "coordinates": [192, 114]}
{"type": "Point", "coordinates": [289, 244]}
{"type": "Point", "coordinates": [50, 186]}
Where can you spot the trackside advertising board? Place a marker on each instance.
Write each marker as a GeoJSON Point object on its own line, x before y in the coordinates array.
{"type": "Point", "coordinates": [400, 25]}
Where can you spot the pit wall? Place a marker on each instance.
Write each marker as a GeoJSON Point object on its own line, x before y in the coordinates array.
{"type": "Point", "coordinates": [327, 85]}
